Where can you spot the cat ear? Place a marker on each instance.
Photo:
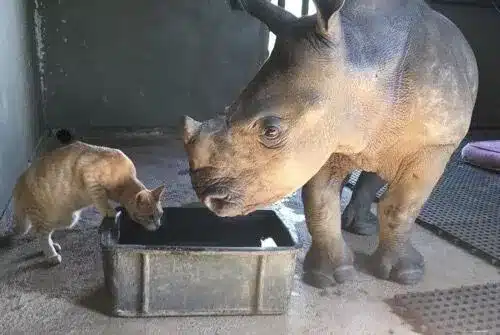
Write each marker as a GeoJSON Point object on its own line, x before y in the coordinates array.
{"type": "Point", "coordinates": [141, 198]}
{"type": "Point", "coordinates": [157, 192]}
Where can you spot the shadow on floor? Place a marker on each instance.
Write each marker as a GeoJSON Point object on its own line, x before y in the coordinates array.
{"type": "Point", "coordinates": [80, 273]}
{"type": "Point", "coordinates": [98, 300]}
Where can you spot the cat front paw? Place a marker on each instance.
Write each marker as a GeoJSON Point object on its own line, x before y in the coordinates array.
{"type": "Point", "coordinates": [57, 247]}
{"type": "Point", "coordinates": [54, 260]}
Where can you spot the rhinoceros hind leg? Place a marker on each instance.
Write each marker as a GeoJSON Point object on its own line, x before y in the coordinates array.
{"type": "Point", "coordinates": [363, 223]}
{"type": "Point", "coordinates": [357, 217]}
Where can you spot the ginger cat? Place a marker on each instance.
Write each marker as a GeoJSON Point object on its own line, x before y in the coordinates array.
{"type": "Point", "coordinates": [50, 194]}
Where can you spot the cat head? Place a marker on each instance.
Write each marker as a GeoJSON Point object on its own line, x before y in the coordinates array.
{"type": "Point", "coordinates": [146, 208]}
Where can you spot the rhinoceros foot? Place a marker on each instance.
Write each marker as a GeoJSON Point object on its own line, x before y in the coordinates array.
{"type": "Point", "coordinates": [323, 268]}
{"type": "Point", "coordinates": [405, 266]}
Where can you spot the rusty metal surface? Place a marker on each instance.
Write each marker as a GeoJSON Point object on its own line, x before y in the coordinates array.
{"type": "Point", "coordinates": [465, 310]}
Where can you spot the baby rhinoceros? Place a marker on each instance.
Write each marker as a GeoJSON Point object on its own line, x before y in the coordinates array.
{"type": "Point", "coordinates": [384, 86]}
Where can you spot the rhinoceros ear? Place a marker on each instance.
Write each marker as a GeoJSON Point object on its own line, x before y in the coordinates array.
{"type": "Point", "coordinates": [326, 10]}
{"type": "Point", "coordinates": [276, 18]}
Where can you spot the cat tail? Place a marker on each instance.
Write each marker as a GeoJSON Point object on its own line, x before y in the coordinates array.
{"type": "Point", "coordinates": [64, 136]}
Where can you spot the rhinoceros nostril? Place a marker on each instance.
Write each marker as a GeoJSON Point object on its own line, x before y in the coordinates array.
{"type": "Point", "coordinates": [215, 202]}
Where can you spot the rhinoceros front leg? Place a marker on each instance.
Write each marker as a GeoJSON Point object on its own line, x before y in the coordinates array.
{"type": "Point", "coordinates": [329, 260]}
{"type": "Point", "coordinates": [395, 258]}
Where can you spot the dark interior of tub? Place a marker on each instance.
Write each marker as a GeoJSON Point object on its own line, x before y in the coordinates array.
{"type": "Point", "coordinates": [199, 227]}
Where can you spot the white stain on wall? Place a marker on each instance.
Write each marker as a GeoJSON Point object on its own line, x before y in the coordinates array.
{"type": "Point", "coordinates": [40, 47]}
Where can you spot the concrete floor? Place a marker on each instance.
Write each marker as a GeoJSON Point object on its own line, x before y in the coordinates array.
{"type": "Point", "coordinates": [69, 298]}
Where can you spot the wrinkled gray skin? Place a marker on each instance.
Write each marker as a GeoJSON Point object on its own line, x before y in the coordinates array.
{"type": "Point", "coordinates": [386, 86]}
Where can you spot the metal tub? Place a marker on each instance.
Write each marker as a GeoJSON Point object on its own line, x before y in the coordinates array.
{"type": "Point", "coordinates": [198, 264]}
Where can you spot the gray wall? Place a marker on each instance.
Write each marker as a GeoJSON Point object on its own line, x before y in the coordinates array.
{"type": "Point", "coordinates": [130, 63]}
{"type": "Point", "coordinates": [20, 126]}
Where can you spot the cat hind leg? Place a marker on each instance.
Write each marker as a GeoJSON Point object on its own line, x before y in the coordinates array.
{"type": "Point", "coordinates": [47, 246]}
{"type": "Point", "coordinates": [20, 227]}
{"type": "Point", "coordinates": [75, 217]}
{"type": "Point", "coordinates": [21, 224]}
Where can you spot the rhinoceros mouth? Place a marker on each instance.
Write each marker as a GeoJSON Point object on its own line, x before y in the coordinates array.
{"type": "Point", "coordinates": [223, 208]}
{"type": "Point", "coordinates": [222, 203]}
{"type": "Point", "coordinates": [219, 198]}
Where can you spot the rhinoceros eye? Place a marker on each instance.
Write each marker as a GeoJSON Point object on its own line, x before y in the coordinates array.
{"type": "Point", "coordinates": [271, 131]}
